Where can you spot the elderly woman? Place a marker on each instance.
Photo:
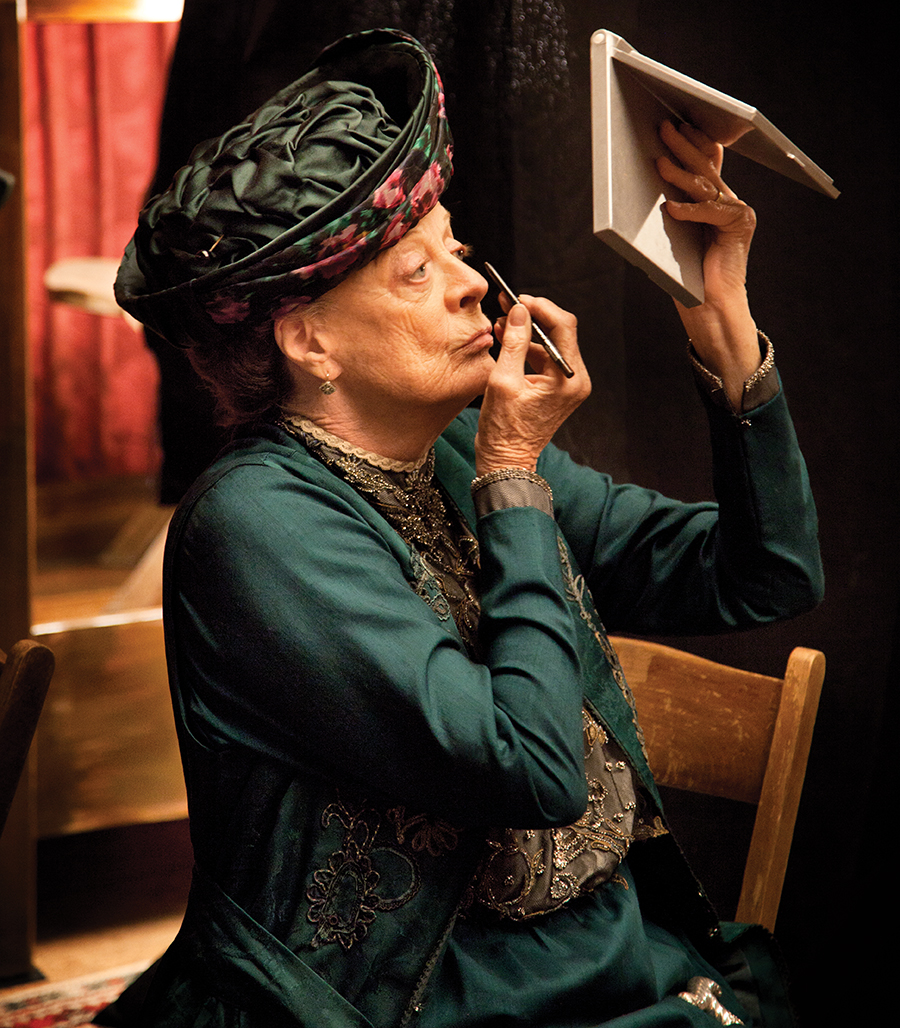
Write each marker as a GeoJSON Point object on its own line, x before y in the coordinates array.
{"type": "Point", "coordinates": [417, 786]}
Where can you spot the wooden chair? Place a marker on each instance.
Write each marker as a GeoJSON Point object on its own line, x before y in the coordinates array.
{"type": "Point", "coordinates": [24, 680]}
{"type": "Point", "coordinates": [725, 732]}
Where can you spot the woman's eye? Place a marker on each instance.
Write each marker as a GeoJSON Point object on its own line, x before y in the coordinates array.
{"type": "Point", "coordinates": [462, 251]}
{"type": "Point", "coordinates": [419, 272]}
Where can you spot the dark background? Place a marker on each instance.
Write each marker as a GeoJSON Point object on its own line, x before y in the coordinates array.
{"type": "Point", "coordinates": [822, 284]}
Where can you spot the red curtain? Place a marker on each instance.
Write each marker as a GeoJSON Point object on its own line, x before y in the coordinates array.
{"type": "Point", "coordinates": [93, 96]}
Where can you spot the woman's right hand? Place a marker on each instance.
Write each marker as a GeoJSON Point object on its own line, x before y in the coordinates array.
{"type": "Point", "coordinates": [522, 410]}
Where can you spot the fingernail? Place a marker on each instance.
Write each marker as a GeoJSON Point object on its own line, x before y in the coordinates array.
{"type": "Point", "coordinates": [518, 315]}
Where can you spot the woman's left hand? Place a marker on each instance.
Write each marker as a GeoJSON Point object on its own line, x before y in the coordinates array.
{"type": "Point", "coordinates": [721, 329]}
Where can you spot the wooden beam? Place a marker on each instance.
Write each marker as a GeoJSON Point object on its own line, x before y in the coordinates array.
{"type": "Point", "coordinates": [17, 845]}
{"type": "Point", "coordinates": [15, 436]}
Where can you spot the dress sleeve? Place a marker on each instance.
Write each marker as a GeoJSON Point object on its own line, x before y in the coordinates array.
{"type": "Point", "coordinates": [762, 385]}
{"type": "Point", "coordinates": [299, 635]}
{"type": "Point", "coordinates": [656, 566]}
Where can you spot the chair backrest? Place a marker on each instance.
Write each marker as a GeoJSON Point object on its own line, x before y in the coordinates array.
{"type": "Point", "coordinates": [24, 679]}
{"type": "Point", "coordinates": [725, 732]}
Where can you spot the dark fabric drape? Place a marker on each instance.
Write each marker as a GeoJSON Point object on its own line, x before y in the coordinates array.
{"type": "Point", "coordinates": [93, 96]}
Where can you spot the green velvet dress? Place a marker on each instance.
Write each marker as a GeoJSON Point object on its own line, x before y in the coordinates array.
{"type": "Point", "coordinates": [361, 711]}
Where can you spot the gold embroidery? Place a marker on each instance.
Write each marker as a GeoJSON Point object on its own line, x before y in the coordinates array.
{"type": "Point", "coordinates": [373, 871]}
{"type": "Point", "coordinates": [532, 871]}
{"type": "Point", "coordinates": [342, 897]}
{"type": "Point", "coordinates": [576, 590]}
{"type": "Point", "coordinates": [432, 834]}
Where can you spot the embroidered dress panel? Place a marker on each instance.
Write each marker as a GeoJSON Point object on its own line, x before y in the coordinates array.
{"type": "Point", "coordinates": [529, 872]}
{"type": "Point", "coordinates": [376, 868]}
{"type": "Point", "coordinates": [526, 872]}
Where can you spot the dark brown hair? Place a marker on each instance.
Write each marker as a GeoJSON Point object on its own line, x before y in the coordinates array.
{"type": "Point", "coordinates": [246, 372]}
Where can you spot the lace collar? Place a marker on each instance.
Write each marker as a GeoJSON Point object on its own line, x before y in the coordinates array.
{"type": "Point", "coordinates": [335, 442]}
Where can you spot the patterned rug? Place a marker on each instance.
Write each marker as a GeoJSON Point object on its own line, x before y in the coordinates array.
{"type": "Point", "coordinates": [64, 1004]}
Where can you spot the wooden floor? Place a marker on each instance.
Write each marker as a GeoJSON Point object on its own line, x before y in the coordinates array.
{"type": "Point", "coordinates": [109, 898]}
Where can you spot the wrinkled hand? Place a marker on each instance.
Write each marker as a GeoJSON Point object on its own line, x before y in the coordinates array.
{"type": "Point", "coordinates": [721, 328]}
{"type": "Point", "coordinates": [522, 410]}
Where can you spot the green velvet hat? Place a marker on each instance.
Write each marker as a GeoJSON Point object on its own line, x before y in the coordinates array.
{"type": "Point", "coordinates": [281, 208]}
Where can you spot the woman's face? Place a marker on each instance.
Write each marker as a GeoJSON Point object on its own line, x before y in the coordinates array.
{"type": "Point", "coordinates": [408, 327]}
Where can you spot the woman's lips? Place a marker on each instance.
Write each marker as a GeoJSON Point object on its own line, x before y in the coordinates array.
{"type": "Point", "coordinates": [483, 335]}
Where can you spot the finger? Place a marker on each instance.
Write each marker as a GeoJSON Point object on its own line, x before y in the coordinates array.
{"type": "Point", "coordinates": [539, 361]}
{"type": "Point", "coordinates": [697, 164]}
{"type": "Point", "coordinates": [556, 322]}
{"type": "Point", "coordinates": [698, 187]}
{"type": "Point", "coordinates": [515, 339]}
{"type": "Point", "coordinates": [709, 148]}
{"type": "Point", "coordinates": [556, 331]}
{"type": "Point", "coordinates": [693, 148]}
{"type": "Point", "coordinates": [537, 355]}
{"type": "Point", "coordinates": [535, 348]}
{"type": "Point", "coordinates": [727, 215]}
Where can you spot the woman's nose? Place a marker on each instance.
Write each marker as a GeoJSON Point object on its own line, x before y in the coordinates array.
{"type": "Point", "coordinates": [471, 287]}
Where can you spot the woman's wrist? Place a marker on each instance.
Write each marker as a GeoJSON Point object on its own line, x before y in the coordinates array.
{"type": "Point", "coordinates": [727, 345]}
{"type": "Point", "coordinates": [499, 458]}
